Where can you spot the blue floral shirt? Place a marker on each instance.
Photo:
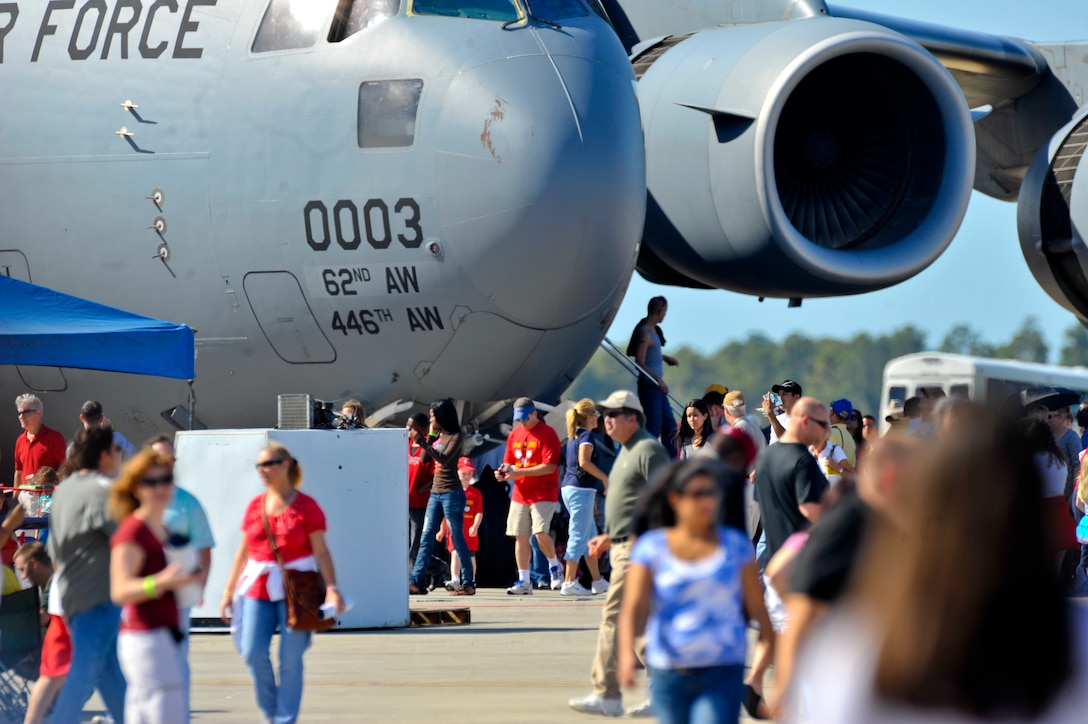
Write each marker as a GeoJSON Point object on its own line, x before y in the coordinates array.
{"type": "Point", "coordinates": [697, 615]}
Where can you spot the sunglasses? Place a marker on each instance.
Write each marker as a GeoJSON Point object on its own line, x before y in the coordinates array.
{"type": "Point", "coordinates": [269, 464]}
{"type": "Point", "coordinates": [822, 423]}
{"type": "Point", "coordinates": [167, 479]}
{"type": "Point", "coordinates": [24, 413]}
{"type": "Point", "coordinates": [613, 414]}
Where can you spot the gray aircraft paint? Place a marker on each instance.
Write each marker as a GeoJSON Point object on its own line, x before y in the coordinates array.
{"type": "Point", "coordinates": [485, 258]}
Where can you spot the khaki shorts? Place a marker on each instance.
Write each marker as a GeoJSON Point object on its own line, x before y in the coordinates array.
{"type": "Point", "coordinates": [526, 519]}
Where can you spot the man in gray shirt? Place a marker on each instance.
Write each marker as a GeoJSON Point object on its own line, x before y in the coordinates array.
{"type": "Point", "coordinates": [79, 544]}
{"type": "Point", "coordinates": [641, 455]}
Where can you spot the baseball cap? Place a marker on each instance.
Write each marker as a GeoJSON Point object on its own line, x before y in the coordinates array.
{"type": "Point", "coordinates": [735, 402]}
{"type": "Point", "coordinates": [842, 408]}
{"type": "Point", "coordinates": [620, 399]}
{"type": "Point", "coordinates": [787, 386]}
{"type": "Point", "coordinates": [720, 389]}
{"type": "Point", "coordinates": [465, 463]}
{"type": "Point", "coordinates": [523, 407]}
{"type": "Point", "coordinates": [742, 439]}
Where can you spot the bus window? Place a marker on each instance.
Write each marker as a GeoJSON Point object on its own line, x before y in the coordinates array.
{"type": "Point", "coordinates": [897, 393]}
{"type": "Point", "coordinates": [960, 391]}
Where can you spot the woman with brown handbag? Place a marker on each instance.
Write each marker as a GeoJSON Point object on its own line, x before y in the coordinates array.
{"type": "Point", "coordinates": [283, 534]}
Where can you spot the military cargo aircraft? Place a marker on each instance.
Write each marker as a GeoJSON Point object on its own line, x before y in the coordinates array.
{"type": "Point", "coordinates": [400, 200]}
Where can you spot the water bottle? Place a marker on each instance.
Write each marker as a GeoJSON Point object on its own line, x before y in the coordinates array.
{"type": "Point", "coordinates": [328, 610]}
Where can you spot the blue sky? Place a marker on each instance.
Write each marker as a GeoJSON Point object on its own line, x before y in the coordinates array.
{"type": "Point", "coordinates": [981, 279]}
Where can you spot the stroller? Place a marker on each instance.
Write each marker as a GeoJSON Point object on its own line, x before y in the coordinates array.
{"type": "Point", "coordinates": [20, 651]}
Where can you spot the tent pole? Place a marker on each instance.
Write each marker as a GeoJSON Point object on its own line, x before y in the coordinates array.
{"type": "Point", "coordinates": [192, 404]}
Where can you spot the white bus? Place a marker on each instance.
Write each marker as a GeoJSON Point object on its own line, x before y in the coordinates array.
{"type": "Point", "coordinates": [981, 379]}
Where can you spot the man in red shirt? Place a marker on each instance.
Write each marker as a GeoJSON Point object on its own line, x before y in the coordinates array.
{"type": "Point", "coordinates": [532, 454]}
{"type": "Point", "coordinates": [38, 445]}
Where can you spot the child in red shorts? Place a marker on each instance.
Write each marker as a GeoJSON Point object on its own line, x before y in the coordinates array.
{"type": "Point", "coordinates": [473, 517]}
{"type": "Point", "coordinates": [56, 660]}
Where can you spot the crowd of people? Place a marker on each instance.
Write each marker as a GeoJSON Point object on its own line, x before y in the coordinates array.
{"type": "Point", "coordinates": [728, 520]}
{"type": "Point", "coordinates": [125, 557]}
{"type": "Point", "coordinates": [899, 577]}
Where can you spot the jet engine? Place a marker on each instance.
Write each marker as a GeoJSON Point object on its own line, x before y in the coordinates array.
{"type": "Point", "coordinates": [1051, 214]}
{"type": "Point", "coordinates": [800, 158]}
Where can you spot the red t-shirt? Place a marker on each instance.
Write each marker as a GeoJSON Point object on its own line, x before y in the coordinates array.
{"type": "Point", "coordinates": [527, 448]}
{"type": "Point", "coordinates": [157, 613]}
{"type": "Point", "coordinates": [420, 476]}
{"type": "Point", "coordinates": [46, 449]}
{"type": "Point", "coordinates": [292, 529]}
{"type": "Point", "coordinates": [474, 505]}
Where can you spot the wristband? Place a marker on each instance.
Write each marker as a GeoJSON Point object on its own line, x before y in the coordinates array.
{"type": "Point", "coordinates": [332, 587]}
{"type": "Point", "coordinates": [149, 587]}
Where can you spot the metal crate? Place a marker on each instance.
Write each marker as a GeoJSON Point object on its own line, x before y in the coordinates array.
{"type": "Point", "coordinates": [296, 412]}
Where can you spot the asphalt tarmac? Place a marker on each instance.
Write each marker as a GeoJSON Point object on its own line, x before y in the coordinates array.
{"type": "Point", "coordinates": [520, 660]}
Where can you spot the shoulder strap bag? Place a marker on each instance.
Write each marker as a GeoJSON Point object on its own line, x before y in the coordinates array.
{"type": "Point", "coordinates": [304, 591]}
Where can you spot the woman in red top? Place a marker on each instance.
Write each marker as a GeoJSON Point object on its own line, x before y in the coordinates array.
{"type": "Point", "coordinates": [141, 582]}
{"type": "Point", "coordinates": [254, 593]}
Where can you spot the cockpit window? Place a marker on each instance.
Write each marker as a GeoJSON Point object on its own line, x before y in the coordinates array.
{"type": "Point", "coordinates": [387, 113]}
{"type": "Point", "coordinates": [557, 9]}
{"type": "Point", "coordinates": [355, 15]}
{"type": "Point", "coordinates": [498, 10]}
{"type": "Point", "coordinates": [292, 24]}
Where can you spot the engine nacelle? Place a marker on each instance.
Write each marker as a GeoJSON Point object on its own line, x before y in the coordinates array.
{"type": "Point", "coordinates": [801, 158]}
{"type": "Point", "coordinates": [1052, 215]}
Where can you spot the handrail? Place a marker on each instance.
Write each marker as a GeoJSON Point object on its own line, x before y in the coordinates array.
{"type": "Point", "coordinates": [637, 371]}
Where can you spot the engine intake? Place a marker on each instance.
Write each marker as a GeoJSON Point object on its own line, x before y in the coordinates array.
{"type": "Point", "coordinates": [1050, 216]}
{"type": "Point", "coordinates": [801, 158]}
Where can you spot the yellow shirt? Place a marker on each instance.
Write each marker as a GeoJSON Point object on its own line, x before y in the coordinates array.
{"type": "Point", "coordinates": [842, 437]}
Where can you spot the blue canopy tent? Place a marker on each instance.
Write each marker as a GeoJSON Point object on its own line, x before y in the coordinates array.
{"type": "Point", "coordinates": [39, 326]}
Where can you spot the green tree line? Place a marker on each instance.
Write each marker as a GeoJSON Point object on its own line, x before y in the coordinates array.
{"type": "Point", "coordinates": [827, 368]}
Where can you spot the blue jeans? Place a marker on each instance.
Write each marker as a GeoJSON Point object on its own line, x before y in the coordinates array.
{"type": "Point", "coordinates": [538, 565]}
{"type": "Point", "coordinates": [580, 502]}
{"type": "Point", "coordinates": [279, 704]}
{"type": "Point", "coordinates": [450, 506]}
{"type": "Point", "coordinates": [710, 695]}
{"type": "Point", "coordinates": [94, 664]}
{"type": "Point", "coordinates": [184, 615]}
{"type": "Point", "coordinates": [659, 420]}
{"type": "Point", "coordinates": [761, 550]}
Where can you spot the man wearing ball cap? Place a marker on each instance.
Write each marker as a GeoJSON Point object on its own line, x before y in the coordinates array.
{"type": "Point", "coordinates": [532, 457]}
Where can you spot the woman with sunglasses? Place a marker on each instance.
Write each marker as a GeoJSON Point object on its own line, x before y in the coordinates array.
{"type": "Point", "coordinates": [142, 582]}
{"type": "Point", "coordinates": [254, 595]}
{"type": "Point", "coordinates": [689, 584]}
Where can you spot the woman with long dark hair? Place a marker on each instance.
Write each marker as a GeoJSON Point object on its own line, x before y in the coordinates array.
{"type": "Point", "coordinates": [1051, 464]}
{"type": "Point", "coordinates": [695, 429]}
{"type": "Point", "coordinates": [689, 585]}
{"type": "Point", "coordinates": [647, 339]}
{"type": "Point", "coordinates": [956, 615]}
{"type": "Point", "coordinates": [447, 498]}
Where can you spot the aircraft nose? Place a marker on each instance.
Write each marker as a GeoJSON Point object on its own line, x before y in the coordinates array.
{"type": "Point", "coordinates": [543, 159]}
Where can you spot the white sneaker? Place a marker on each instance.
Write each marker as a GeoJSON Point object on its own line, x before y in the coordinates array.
{"type": "Point", "coordinates": [594, 704]}
{"type": "Point", "coordinates": [600, 586]}
{"type": "Point", "coordinates": [521, 588]}
{"type": "Point", "coordinates": [643, 710]}
{"type": "Point", "coordinates": [574, 588]}
{"type": "Point", "coordinates": [556, 574]}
